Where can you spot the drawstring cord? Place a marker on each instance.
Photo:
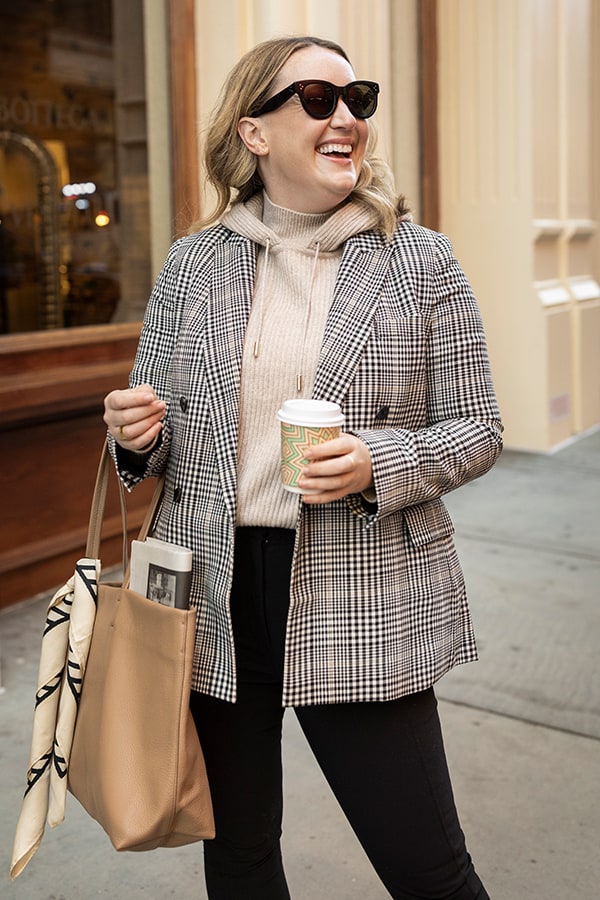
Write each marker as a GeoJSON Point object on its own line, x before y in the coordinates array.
{"type": "Point", "coordinates": [313, 275]}
{"type": "Point", "coordinates": [256, 349]}
{"type": "Point", "coordinates": [261, 311]}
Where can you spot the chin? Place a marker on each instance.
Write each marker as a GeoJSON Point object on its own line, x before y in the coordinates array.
{"type": "Point", "coordinates": [339, 195]}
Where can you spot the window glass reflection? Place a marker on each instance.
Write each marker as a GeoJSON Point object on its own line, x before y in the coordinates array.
{"type": "Point", "coordinates": [61, 208]}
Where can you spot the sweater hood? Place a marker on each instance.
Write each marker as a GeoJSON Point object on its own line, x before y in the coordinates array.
{"type": "Point", "coordinates": [329, 233]}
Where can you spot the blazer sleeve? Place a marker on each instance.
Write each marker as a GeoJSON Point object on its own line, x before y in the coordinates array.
{"type": "Point", "coordinates": [461, 435]}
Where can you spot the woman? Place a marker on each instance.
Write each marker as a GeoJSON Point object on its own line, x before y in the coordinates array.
{"type": "Point", "coordinates": [349, 603]}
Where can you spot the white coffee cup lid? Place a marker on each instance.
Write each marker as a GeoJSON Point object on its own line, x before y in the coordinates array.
{"type": "Point", "coordinates": [318, 413]}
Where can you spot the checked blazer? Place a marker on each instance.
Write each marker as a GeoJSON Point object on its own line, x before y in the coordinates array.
{"type": "Point", "coordinates": [377, 598]}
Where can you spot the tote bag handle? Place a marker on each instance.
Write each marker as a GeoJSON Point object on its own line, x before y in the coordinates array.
{"type": "Point", "coordinates": [92, 549]}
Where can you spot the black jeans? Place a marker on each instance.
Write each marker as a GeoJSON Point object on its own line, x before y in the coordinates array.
{"type": "Point", "coordinates": [385, 762]}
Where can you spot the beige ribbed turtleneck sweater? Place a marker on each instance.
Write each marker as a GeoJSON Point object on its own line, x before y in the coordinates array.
{"type": "Point", "coordinates": [296, 271]}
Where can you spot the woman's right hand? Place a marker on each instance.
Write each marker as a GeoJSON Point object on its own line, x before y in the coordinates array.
{"type": "Point", "coordinates": [134, 417]}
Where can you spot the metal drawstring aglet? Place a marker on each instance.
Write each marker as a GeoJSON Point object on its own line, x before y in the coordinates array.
{"type": "Point", "coordinates": [299, 383]}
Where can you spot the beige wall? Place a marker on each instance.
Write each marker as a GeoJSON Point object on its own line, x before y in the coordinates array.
{"type": "Point", "coordinates": [519, 151]}
{"type": "Point", "coordinates": [519, 94]}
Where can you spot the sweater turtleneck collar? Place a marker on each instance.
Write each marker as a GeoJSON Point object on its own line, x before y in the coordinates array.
{"type": "Point", "coordinates": [290, 226]}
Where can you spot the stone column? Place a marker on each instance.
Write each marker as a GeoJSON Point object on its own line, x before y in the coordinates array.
{"type": "Point", "coordinates": [518, 138]}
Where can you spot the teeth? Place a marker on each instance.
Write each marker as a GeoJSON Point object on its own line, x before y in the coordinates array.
{"type": "Point", "coordinates": [335, 148]}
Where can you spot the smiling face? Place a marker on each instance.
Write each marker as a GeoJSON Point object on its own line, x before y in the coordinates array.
{"type": "Point", "coordinates": [308, 165]}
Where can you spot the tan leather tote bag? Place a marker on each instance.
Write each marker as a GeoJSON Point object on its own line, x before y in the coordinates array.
{"type": "Point", "coordinates": [136, 764]}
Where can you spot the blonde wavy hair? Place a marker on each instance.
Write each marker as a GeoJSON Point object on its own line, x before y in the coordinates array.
{"type": "Point", "coordinates": [232, 169]}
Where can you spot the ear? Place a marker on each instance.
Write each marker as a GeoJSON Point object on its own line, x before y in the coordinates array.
{"type": "Point", "coordinates": [252, 135]}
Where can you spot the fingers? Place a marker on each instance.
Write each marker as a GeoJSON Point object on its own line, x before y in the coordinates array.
{"type": "Point", "coordinates": [134, 416]}
{"type": "Point", "coordinates": [138, 436]}
{"type": "Point", "coordinates": [329, 449]}
{"type": "Point", "coordinates": [143, 395]}
{"type": "Point", "coordinates": [335, 469]}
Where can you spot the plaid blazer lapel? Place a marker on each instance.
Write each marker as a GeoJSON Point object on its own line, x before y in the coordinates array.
{"type": "Point", "coordinates": [363, 267]}
{"type": "Point", "coordinates": [228, 310]}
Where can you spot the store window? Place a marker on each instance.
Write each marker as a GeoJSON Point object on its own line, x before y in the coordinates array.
{"type": "Point", "coordinates": [73, 171]}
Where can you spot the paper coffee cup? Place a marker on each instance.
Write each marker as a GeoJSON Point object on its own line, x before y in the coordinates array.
{"type": "Point", "coordinates": [305, 423]}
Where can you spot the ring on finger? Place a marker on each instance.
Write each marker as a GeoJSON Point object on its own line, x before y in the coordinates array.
{"type": "Point", "coordinates": [122, 432]}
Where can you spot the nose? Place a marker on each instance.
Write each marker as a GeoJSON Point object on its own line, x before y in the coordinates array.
{"type": "Point", "coordinates": [341, 115]}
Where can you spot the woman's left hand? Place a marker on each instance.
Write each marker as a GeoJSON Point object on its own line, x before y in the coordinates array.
{"type": "Point", "coordinates": [336, 468]}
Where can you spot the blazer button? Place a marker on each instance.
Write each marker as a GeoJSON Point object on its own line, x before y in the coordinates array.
{"type": "Point", "coordinates": [382, 414]}
{"type": "Point", "coordinates": [177, 495]}
{"type": "Point", "coordinates": [183, 403]}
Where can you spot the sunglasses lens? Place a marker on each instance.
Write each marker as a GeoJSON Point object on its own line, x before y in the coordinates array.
{"type": "Point", "coordinates": [318, 99]}
{"type": "Point", "coordinates": [361, 99]}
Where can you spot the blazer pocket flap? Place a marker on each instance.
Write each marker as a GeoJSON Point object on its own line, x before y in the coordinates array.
{"type": "Point", "coordinates": [427, 522]}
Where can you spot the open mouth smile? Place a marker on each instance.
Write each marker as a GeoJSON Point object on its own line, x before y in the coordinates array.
{"type": "Point", "coordinates": [338, 150]}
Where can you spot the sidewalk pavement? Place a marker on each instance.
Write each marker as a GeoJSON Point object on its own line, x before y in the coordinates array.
{"type": "Point", "coordinates": [522, 726]}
